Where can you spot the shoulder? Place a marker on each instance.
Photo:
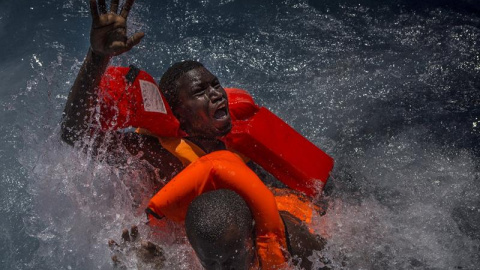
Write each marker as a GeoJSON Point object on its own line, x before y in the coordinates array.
{"type": "Point", "coordinates": [149, 148]}
{"type": "Point", "coordinates": [301, 241]}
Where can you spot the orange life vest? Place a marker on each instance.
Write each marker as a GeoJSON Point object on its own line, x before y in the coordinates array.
{"type": "Point", "coordinates": [286, 200]}
{"type": "Point", "coordinates": [130, 98]}
{"type": "Point", "coordinates": [269, 248]}
{"type": "Point", "coordinates": [226, 170]}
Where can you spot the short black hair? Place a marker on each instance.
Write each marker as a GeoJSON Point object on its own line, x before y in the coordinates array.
{"type": "Point", "coordinates": [168, 81]}
{"type": "Point", "coordinates": [213, 215]}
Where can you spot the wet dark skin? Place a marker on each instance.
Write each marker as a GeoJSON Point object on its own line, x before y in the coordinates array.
{"type": "Point", "coordinates": [202, 109]}
{"type": "Point", "coordinates": [226, 254]}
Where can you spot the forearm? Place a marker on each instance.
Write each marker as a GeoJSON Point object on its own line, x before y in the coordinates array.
{"type": "Point", "coordinates": [79, 109]}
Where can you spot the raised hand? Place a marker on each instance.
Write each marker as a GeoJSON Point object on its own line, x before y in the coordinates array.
{"type": "Point", "coordinates": [148, 255]}
{"type": "Point", "coordinates": [108, 36]}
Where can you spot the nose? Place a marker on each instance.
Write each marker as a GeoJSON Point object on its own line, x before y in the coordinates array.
{"type": "Point", "coordinates": [215, 94]}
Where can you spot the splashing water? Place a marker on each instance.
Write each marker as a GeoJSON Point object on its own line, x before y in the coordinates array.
{"type": "Point", "coordinates": [391, 91]}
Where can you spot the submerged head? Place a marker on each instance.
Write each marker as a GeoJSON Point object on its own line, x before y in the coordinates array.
{"type": "Point", "coordinates": [219, 227]}
{"type": "Point", "coordinates": [197, 99]}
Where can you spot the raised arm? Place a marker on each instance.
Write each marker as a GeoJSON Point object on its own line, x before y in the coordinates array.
{"type": "Point", "coordinates": [108, 38]}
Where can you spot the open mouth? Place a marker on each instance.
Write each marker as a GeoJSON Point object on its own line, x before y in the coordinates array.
{"type": "Point", "coordinates": [220, 113]}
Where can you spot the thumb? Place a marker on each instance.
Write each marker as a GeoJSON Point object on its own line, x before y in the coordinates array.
{"type": "Point", "coordinates": [134, 40]}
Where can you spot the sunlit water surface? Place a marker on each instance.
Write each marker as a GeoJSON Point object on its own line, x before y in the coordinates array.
{"type": "Point", "coordinates": [390, 91]}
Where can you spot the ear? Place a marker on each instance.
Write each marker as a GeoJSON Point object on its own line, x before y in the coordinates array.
{"type": "Point", "coordinates": [180, 114]}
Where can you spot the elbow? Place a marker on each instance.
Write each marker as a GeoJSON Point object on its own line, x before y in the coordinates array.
{"type": "Point", "coordinates": [66, 136]}
{"type": "Point", "coordinates": [67, 133]}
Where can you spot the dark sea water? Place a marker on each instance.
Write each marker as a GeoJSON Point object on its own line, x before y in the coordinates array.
{"type": "Point", "coordinates": [390, 89]}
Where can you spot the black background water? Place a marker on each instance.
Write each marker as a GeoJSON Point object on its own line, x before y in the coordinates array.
{"type": "Point", "coordinates": [390, 90]}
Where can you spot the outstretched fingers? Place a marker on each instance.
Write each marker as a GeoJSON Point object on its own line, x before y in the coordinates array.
{"type": "Point", "coordinates": [125, 235]}
{"type": "Point", "coordinates": [130, 236]}
{"type": "Point", "coordinates": [126, 8]}
{"type": "Point", "coordinates": [102, 6]}
{"type": "Point", "coordinates": [134, 232]}
{"type": "Point", "coordinates": [114, 6]}
{"type": "Point", "coordinates": [148, 253]}
{"type": "Point", "coordinates": [94, 10]}
{"type": "Point", "coordinates": [134, 40]}
{"type": "Point", "coordinates": [112, 244]}
{"type": "Point", "coordinates": [124, 46]}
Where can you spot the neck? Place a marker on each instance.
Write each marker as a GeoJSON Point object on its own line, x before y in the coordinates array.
{"type": "Point", "coordinates": [208, 144]}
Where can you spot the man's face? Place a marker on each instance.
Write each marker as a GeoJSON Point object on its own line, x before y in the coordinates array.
{"type": "Point", "coordinates": [203, 106]}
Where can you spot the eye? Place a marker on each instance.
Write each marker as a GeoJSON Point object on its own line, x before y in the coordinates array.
{"type": "Point", "coordinates": [216, 83]}
{"type": "Point", "coordinates": [199, 92]}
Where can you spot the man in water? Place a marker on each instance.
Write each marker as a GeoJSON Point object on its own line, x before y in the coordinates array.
{"type": "Point", "coordinates": [198, 101]}
{"type": "Point", "coordinates": [221, 220]}
{"type": "Point", "coordinates": [219, 227]}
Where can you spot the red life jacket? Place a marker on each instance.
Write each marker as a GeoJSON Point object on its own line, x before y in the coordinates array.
{"type": "Point", "coordinates": [130, 98]}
